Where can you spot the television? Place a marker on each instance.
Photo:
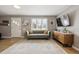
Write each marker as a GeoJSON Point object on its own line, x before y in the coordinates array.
{"type": "Point", "coordinates": [63, 21]}
{"type": "Point", "coordinates": [59, 23]}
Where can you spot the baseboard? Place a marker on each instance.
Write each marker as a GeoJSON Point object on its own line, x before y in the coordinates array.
{"type": "Point", "coordinates": [10, 37]}
{"type": "Point", "coordinates": [75, 48]}
{"type": "Point", "coordinates": [6, 37]}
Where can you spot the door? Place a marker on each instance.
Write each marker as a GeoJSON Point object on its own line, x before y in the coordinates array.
{"type": "Point", "coordinates": [15, 27]}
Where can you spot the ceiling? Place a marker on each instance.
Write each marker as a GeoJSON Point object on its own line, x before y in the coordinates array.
{"type": "Point", "coordinates": [33, 9]}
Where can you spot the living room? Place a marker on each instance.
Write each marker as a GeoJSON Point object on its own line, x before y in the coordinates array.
{"type": "Point", "coordinates": [36, 27]}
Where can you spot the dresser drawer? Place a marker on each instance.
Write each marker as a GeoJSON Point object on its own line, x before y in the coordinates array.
{"type": "Point", "coordinates": [65, 38]}
{"type": "Point", "coordinates": [61, 38]}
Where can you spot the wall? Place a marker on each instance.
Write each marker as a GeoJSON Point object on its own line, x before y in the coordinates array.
{"type": "Point", "coordinates": [50, 19]}
{"type": "Point", "coordinates": [6, 30]}
{"type": "Point", "coordinates": [73, 14]}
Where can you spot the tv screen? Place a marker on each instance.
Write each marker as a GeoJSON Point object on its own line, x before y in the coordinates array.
{"type": "Point", "coordinates": [59, 23]}
{"type": "Point", "coordinates": [63, 21]}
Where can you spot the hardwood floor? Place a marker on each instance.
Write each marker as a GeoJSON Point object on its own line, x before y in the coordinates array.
{"type": "Point", "coordinates": [69, 50]}
{"type": "Point", "coordinates": [5, 43]}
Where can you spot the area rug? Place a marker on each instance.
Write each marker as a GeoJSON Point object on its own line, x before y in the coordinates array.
{"type": "Point", "coordinates": [34, 47]}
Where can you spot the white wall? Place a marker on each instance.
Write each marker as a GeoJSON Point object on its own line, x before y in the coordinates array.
{"type": "Point", "coordinates": [6, 30]}
{"type": "Point", "coordinates": [73, 13]}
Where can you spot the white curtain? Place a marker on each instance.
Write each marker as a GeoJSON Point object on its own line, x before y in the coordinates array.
{"type": "Point", "coordinates": [39, 24]}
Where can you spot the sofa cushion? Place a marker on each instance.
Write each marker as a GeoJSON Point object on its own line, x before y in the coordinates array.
{"type": "Point", "coordinates": [45, 32]}
{"type": "Point", "coordinates": [38, 32]}
{"type": "Point", "coordinates": [38, 36]}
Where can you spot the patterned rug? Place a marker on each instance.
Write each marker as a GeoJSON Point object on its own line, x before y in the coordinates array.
{"type": "Point", "coordinates": [34, 47]}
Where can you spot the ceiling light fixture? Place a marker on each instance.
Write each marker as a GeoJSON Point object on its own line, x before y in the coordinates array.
{"type": "Point", "coordinates": [17, 7]}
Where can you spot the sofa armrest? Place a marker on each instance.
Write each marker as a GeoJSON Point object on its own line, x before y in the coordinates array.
{"type": "Point", "coordinates": [27, 33]}
{"type": "Point", "coordinates": [49, 33]}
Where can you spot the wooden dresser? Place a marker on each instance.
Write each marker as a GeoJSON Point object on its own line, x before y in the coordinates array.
{"type": "Point", "coordinates": [65, 38]}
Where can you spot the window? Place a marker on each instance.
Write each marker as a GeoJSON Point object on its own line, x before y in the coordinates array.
{"type": "Point", "coordinates": [39, 24]}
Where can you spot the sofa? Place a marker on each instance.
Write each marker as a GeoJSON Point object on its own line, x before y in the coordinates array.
{"type": "Point", "coordinates": [38, 34]}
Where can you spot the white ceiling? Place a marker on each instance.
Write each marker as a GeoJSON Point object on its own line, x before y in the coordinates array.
{"type": "Point", "coordinates": [33, 9]}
